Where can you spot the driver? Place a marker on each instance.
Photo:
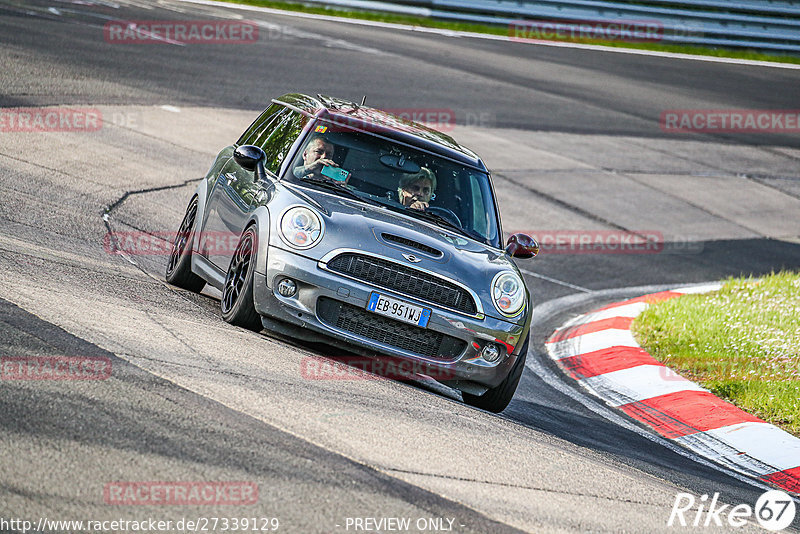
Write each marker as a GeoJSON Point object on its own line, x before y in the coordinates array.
{"type": "Point", "coordinates": [416, 190]}
{"type": "Point", "coordinates": [318, 154]}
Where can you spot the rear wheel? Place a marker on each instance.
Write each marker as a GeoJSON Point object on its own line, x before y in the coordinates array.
{"type": "Point", "coordinates": [237, 303]}
{"type": "Point", "coordinates": [179, 268]}
{"type": "Point", "coordinates": [497, 398]}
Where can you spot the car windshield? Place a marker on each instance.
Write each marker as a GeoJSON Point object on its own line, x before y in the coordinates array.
{"type": "Point", "coordinates": [398, 177]}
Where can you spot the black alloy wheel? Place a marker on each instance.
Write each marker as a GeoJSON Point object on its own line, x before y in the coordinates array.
{"type": "Point", "coordinates": [179, 268]}
{"type": "Point", "coordinates": [237, 293]}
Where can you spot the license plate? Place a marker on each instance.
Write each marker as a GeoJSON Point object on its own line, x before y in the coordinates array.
{"type": "Point", "coordinates": [397, 309]}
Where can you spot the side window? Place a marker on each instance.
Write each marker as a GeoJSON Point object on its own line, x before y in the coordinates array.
{"type": "Point", "coordinates": [262, 137]}
{"type": "Point", "coordinates": [262, 123]}
{"type": "Point", "coordinates": [283, 136]}
{"type": "Point", "coordinates": [480, 219]}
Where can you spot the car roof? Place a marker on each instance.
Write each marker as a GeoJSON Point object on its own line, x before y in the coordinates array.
{"type": "Point", "coordinates": [382, 123]}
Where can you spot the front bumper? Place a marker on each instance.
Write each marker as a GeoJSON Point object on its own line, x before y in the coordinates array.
{"type": "Point", "coordinates": [320, 291]}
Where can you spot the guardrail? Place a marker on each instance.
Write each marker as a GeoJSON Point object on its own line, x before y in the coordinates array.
{"type": "Point", "coordinates": [756, 24]}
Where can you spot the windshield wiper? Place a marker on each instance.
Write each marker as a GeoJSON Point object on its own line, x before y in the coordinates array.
{"type": "Point", "coordinates": [441, 221]}
{"type": "Point", "coordinates": [337, 187]}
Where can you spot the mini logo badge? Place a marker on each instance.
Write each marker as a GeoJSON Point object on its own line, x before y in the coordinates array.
{"type": "Point", "coordinates": [412, 258]}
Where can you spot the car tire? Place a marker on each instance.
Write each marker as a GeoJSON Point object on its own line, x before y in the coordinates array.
{"type": "Point", "coordinates": [237, 303]}
{"type": "Point", "coordinates": [179, 266]}
{"type": "Point", "coordinates": [497, 398]}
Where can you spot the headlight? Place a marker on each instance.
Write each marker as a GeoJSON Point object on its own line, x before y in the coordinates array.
{"type": "Point", "coordinates": [508, 293]}
{"type": "Point", "coordinates": [300, 227]}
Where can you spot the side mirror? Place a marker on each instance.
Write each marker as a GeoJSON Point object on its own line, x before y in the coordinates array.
{"type": "Point", "coordinates": [251, 158]}
{"type": "Point", "coordinates": [522, 246]}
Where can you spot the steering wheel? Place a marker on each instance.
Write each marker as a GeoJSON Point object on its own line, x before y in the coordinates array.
{"type": "Point", "coordinates": [446, 214]}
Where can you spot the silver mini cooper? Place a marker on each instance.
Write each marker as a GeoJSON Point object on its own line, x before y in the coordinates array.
{"type": "Point", "coordinates": [340, 223]}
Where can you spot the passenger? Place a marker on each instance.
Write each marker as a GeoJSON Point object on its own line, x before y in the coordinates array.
{"type": "Point", "coordinates": [416, 190]}
{"type": "Point", "coordinates": [318, 154]}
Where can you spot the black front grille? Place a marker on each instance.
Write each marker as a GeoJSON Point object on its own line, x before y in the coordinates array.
{"type": "Point", "coordinates": [424, 342]}
{"type": "Point", "coordinates": [412, 244]}
{"type": "Point", "coordinates": [405, 280]}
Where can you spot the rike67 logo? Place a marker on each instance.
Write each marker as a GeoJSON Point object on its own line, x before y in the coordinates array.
{"type": "Point", "coordinates": [774, 510]}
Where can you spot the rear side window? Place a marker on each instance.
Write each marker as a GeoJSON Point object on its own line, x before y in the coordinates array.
{"type": "Point", "coordinates": [262, 125]}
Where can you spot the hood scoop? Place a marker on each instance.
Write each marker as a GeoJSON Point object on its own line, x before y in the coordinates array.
{"type": "Point", "coordinates": [410, 243]}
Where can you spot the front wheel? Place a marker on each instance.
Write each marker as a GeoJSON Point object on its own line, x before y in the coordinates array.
{"type": "Point", "coordinates": [497, 398]}
{"type": "Point", "coordinates": [237, 293]}
{"type": "Point", "coordinates": [179, 268]}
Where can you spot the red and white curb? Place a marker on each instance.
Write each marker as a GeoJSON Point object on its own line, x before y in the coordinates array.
{"type": "Point", "coordinates": [598, 350]}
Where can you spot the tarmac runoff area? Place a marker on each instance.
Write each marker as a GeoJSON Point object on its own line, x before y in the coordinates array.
{"type": "Point", "coordinates": [145, 161]}
{"type": "Point", "coordinates": [598, 350]}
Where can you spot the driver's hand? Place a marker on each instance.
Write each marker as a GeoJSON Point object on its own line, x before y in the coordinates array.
{"type": "Point", "coordinates": [419, 205]}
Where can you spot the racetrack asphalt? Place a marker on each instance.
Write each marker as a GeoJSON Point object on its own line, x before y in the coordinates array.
{"type": "Point", "coordinates": [573, 139]}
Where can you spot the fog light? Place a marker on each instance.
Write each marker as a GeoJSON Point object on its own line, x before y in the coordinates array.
{"type": "Point", "coordinates": [287, 288]}
{"type": "Point", "coordinates": [490, 353]}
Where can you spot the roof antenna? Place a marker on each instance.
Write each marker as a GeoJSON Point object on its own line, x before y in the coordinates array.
{"type": "Point", "coordinates": [364, 100]}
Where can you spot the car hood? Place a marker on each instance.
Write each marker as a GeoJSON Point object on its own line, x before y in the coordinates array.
{"type": "Point", "coordinates": [374, 230]}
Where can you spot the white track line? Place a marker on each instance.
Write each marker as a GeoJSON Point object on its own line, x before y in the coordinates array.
{"type": "Point", "coordinates": [554, 281]}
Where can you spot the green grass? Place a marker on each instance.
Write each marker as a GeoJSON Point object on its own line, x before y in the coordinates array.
{"type": "Point", "coordinates": [503, 30]}
{"type": "Point", "coordinates": [742, 343]}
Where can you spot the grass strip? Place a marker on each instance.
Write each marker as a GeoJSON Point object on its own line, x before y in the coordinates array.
{"type": "Point", "coordinates": [742, 343]}
{"type": "Point", "coordinates": [427, 22]}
